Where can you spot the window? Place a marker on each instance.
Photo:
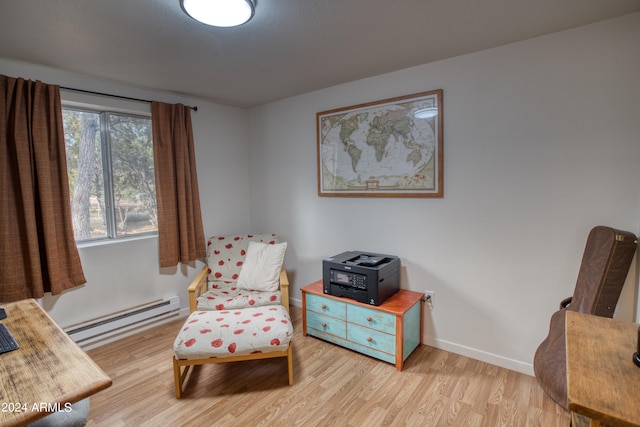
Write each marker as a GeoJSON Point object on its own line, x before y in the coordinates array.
{"type": "Point", "coordinates": [111, 174]}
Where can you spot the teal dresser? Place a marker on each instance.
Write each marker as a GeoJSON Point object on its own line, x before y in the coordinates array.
{"type": "Point", "coordinates": [388, 332]}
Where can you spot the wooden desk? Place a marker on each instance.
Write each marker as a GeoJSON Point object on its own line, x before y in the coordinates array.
{"type": "Point", "coordinates": [48, 371]}
{"type": "Point", "coordinates": [603, 383]}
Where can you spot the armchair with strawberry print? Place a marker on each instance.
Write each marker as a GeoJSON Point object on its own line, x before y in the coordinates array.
{"type": "Point", "coordinates": [242, 271]}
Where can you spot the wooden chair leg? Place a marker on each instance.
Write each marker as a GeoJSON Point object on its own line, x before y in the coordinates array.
{"type": "Point", "coordinates": [290, 363]}
{"type": "Point", "coordinates": [178, 377]}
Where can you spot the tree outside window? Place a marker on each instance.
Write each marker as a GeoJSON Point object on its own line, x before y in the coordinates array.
{"type": "Point", "coordinates": [111, 174]}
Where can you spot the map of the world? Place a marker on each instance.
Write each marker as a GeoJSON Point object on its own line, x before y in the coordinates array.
{"type": "Point", "coordinates": [386, 147]}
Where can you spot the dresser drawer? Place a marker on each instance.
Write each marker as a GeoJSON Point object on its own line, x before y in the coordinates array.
{"type": "Point", "coordinates": [327, 324]}
{"type": "Point", "coordinates": [327, 306]}
{"type": "Point", "coordinates": [371, 318]}
{"type": "Point", "coordinates": [372, 339]}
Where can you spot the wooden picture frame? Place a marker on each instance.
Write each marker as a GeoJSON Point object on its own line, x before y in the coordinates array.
{"type": "Point", "coordinates": [387, 148]}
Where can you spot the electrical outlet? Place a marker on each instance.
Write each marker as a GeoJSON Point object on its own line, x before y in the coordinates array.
{"type": "Point", "coordinates": [429, 298]}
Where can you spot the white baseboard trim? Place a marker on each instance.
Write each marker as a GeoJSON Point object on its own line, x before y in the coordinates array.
{"type": "Point", "coordinates": [483, 356]}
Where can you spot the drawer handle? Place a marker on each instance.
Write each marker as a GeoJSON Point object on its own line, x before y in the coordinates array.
{"type": "Point", "coordinates": [324, 325]}
{"type": "Point", "coordinates": [369, 319]}
{"type": "Point", "coordinates": [369, 339]}
{"type": "Point", "coordinates": [324, 306]}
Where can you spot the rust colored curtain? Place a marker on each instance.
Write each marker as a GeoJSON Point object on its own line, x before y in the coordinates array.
{"type": "Point", "coordinates": [38, 252]}
{"type": "Point", "coordinates": [180, 232]}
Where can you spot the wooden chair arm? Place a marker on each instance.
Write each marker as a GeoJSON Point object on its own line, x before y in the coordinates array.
{"type": "Point", "coordinates": [284, 287]}
{"type": "Point", "coordinates": [197, 288]}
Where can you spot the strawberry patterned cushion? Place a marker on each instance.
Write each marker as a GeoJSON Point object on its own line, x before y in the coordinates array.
{"type": "Point", "coordinates": [209, 334]}
{"type": "Point", "coordinates": [225, 259]}
{"type": "Point", "coordinates": [226, 296]}
{"type": "Point", "coordinates": [226, 254]}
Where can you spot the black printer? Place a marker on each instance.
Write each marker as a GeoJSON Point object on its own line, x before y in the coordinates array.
{"type": "Point", "coordinates": [366, 277]}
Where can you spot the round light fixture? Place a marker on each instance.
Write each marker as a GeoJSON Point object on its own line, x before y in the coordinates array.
{"type": "Point", "coordinates": [220, 13]}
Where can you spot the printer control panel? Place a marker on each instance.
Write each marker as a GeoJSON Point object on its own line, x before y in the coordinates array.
{"type": "Point", "coordinates": [354, 280]}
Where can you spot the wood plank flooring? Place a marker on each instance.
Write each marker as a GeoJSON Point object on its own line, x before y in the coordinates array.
{"type": "Point", "coordinates": [332, 386]}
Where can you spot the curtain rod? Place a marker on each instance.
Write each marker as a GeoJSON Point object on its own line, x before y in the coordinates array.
{"type": "Point", "coordinates": [114, 96]}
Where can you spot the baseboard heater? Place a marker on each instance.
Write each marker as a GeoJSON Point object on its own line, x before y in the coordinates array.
{"type": "Point", "coordinates": [102, 330]}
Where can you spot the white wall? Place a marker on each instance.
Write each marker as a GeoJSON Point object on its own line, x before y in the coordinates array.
{"type": "Point", "coordinates": [541, 143]}
{"type": "Point", "coordinates": [125, 274]}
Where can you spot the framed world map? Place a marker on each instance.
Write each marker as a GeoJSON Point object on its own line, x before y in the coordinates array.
{"type": "Point", "coordinates": [388, 148]}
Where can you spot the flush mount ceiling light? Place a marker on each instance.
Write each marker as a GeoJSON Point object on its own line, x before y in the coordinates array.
{"type": "Point", "coordinates": [220, 13]}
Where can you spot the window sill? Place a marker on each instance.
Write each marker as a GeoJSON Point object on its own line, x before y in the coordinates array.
{"type": "Point", "coordinates": [106, 242]}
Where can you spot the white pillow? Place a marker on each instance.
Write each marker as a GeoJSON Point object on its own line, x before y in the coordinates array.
{"type": "Point", "coordinates": [261, 268]}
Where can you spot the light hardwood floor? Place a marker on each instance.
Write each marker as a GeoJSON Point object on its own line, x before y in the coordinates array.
{"type": "Point", "coordinates": [332, 386]}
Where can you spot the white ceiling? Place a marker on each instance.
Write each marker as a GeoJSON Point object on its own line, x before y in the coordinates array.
{"type": "Point", "coordinates": [290, 47]}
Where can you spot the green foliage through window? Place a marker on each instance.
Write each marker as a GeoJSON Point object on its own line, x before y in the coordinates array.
{"type": "Point", "coordinates": [111, 174]}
